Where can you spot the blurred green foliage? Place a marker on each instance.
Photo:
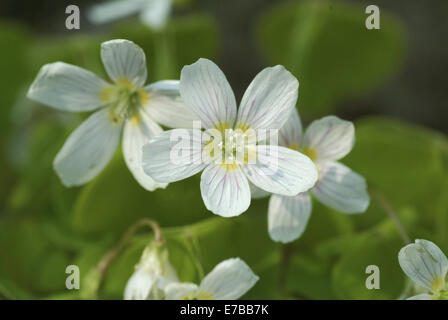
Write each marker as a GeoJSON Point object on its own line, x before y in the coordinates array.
{"type": "Point", "coordinates": [44, 226]}
{"type": "Point", "coordinates": [326, 45]}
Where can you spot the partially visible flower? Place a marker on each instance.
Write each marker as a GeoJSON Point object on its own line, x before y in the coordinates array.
{"type": "Point", "coordinates": [124, 106]}
{"type": "Point", "coordinates": [229, 280]}
{"type": "Point", "coordinates": [427, 266]}
{"type": "Point", "coordinates": [325, 141]}
{"type": "Point", "coordinates": [152, 274]}
{"type": "Point", "coordinates": [266, 105]}
{"type": "Point", "coordinates": [153, 13]}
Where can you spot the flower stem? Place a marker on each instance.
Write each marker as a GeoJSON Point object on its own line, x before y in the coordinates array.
{"type": "Point", "coordinates": [112, 254]}
{"type": "Point", "coordinates": [287, 253]}
{"type": "Point", "coordinates": [193, 249]}
{"type": "Point", "coordinates": [385, 204]}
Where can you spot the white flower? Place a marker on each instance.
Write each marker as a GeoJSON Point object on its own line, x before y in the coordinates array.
{"type": "Point", "coordinates": [126, 105]}
{"type": "Point", "coordinates": [267, 104]}
{"type": "Point", "coordinates": [325, 141]}
{"type": "Point", "coordinates": [229, 280]}
{"type": "Point", "coordinates": [427, 266]}
{"type": "Point", "coordinates": [153, 273]}
{"type": "Point", "coordinates": [153, 13]}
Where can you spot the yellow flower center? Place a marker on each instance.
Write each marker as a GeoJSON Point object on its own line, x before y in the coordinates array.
{"type": "Point", "coordinates": [438, 285]}
{"type": "Point", "coordinates": [230, 147]}
{"type": "Point", "coordinates": [125, 100]}
{"type": "Point", "coordinates": [309, 152]}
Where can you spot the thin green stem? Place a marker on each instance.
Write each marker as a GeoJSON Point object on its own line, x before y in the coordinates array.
{"type": "Point", "coordinates": [385, 204]}
{"type": "Point", "coordinates": [193, 250]}
{"type": "Point", "coordinates": [110, 256]}
{"type": "Point", "coordinates": [287, 253]}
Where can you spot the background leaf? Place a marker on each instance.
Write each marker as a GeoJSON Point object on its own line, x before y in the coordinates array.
{"type": "Point", "coordinates": [328, 48]}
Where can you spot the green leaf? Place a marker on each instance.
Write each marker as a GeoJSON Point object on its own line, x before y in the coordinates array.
{"type": "Point", "coordinates": [378, 246]}
{"type": "Point", "coordinates": [270, 272]}
{"type": "Point", "coordinates": [327, 46]}
{"type": "Point", "coordinates": [11, 291]}
{"type": "Point", "coordinates": [325, 223]}
{"type": "Point", "coordinates": [309, 278]}
{"type": "Point", "coordinates": [46, 139]}
{"type": "Point", "coordinates": [29, 258]}
{"type": "Point", "coordinates": [80, 50]}
{"type": "Point", "coordinates": [51, 276]}
{"type": "Point", "coordinates": [68, 295]}
{"type": "Point", "coordinates": [405, 163]}
{"type": "Point", "coordinates": [114, 200]}
{"type": "Point", "coordinates": [13, 64]}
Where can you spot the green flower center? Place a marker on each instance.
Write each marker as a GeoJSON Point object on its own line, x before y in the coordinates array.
{"type": "Point", "coordinates": [125, 101]}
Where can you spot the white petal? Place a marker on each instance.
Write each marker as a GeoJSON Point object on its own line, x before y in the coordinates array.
{"type": "Point", "coordinates": [173, 155]}
{"type": "Point", "coordinates": [281, 170]}
{"type": "Point", "coordinates": [155, 13]}
{"type": "Point", "coordinates": [88, 149]}
{"type": "Point", "coordinates": [170, 275]}
{"type": "Point", "coordinates": [67, 87]}
{"type": "Point", "coordinates": [341, 188]}
{"type": "Point", "coordinates": [178, 291]}
{"type": "Point", "coordinates": [424, 263]}
{"type": "Point", "coordinates": [290, 135]}
{"type": "Point", "coordinates": [225, 192]}
{"type": "Point", "coordinates": [139, 285]}
{"type": "Point", "coordinates": [288, 216]}
{"type": "Point", "coordinates": [124, 60]}
{"type": "Point", "coordinates": [206, 91]}
{"type": "Point", "coordinates": [166, 106]}
{"type": "Point", "coordinates": [229, 280]}
{"type": "Point", "coordinates": [269, 99]}
{"type": "Point", "coordinates": [423, 296]}
{"type": "Point", "coordinates": [111, 10]}
{"type": "Point", "coordinates": [257, 193]}
{"type": "Point", "coordinates": [169, 87]}
{"type": "Point", "coordinates": [135, 136]}
{"type": "Point", "coordinates": [332, 138]}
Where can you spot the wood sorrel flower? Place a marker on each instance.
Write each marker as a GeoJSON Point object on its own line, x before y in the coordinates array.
{"type": "Point", "coordinates": [153, 13]}
{"type": "Point", "coordinates": [125, 105]}
{"type": "Point", "coordinates": [325, 141]}
{"type": "Point", "coordinates": [229, 280]}
{"type": "Point", "coordinates": [266, 105]}
{"type": "Point", "coordinates": [427, 266]}
{"type": "Point", "coordinates": [152, 274]}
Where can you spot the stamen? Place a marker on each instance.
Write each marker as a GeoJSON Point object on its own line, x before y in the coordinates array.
{"type": "Point", "coordinates": [230, 148]}
{"type": "Point", "coordinates": [126, 101]}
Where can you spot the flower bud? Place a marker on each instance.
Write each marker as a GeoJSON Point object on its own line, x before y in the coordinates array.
{"type": "Point", "coordinates": [151, 274]}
